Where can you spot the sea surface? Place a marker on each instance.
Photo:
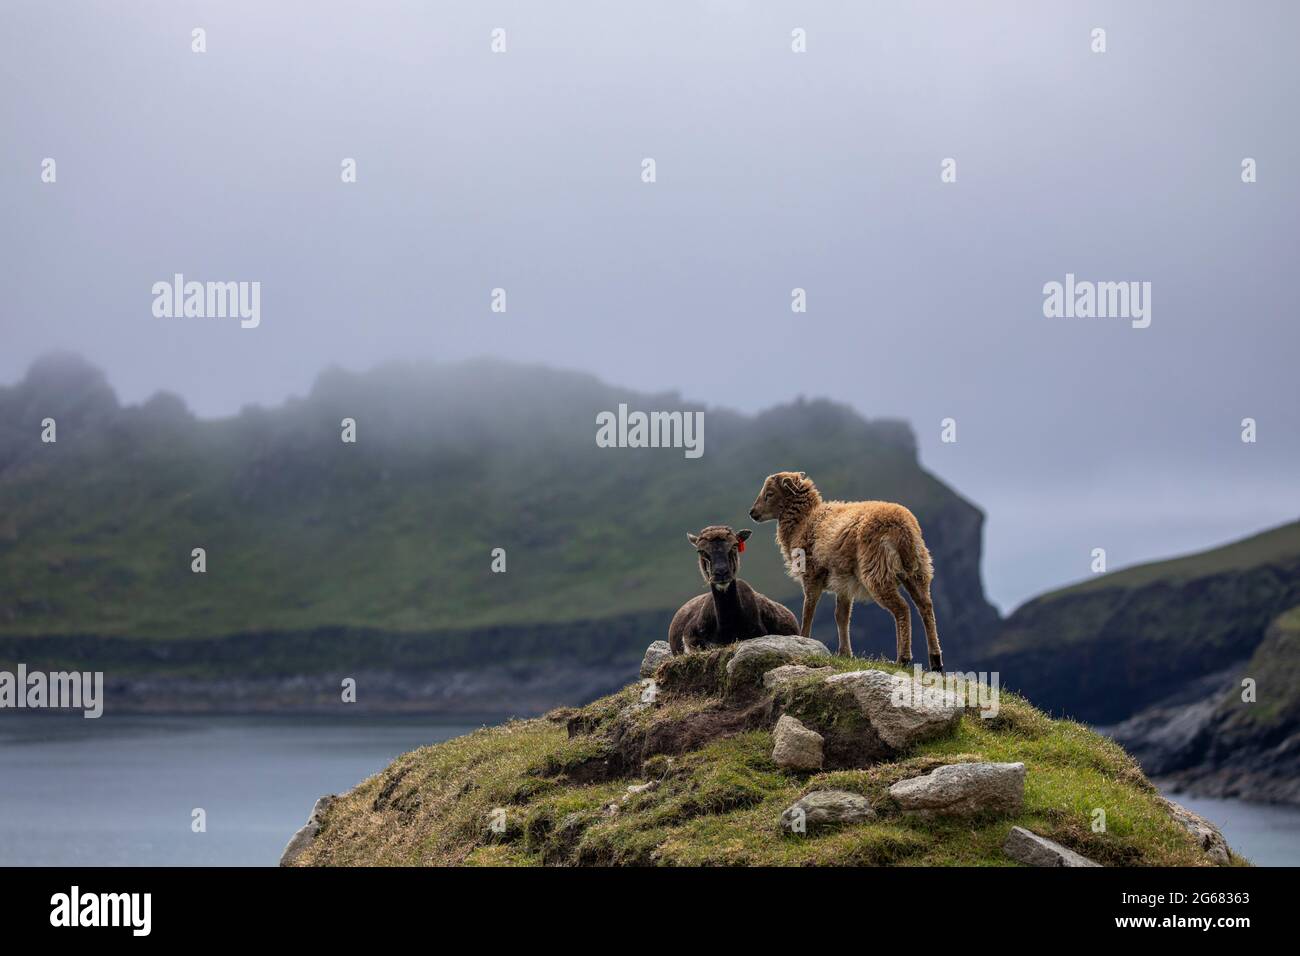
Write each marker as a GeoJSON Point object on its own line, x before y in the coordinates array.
{"type": "Point", "coordinates": [122, 791]}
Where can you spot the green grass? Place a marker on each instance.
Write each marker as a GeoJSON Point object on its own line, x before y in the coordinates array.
{"type": "Point", "coordinates": [1275, 667]}
{"type": "Point", "coordinates": [719, 803]}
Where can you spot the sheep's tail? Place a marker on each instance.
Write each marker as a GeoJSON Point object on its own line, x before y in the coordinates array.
{"type": "Point", "coordinates": [882, 563]}
{"type": "Point", "coordinates": [899, 553]}
{"type": "Point", "coordinates": [921, 567]}
{"type": "Point", "coordinates": [892, 560]}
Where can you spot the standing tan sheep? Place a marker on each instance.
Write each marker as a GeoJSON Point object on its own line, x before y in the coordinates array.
{"type": "Point", "coordinates": [856, 549]}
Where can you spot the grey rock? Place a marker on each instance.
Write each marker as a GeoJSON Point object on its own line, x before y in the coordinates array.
{"type": "Point", "coordinates": [655, 654]}
{"type": "Point", "coordinates": [963, 789]}
{"type": "Point", "coordinates": [307, 833]}
{"type": "Point", "coordinates": [778, 676]}
{"type": "Point", "coordinates": [1206, 833]}
{"type": "Point", "coordinates": [902, 710]}
{"type": "Point", "coordinates": [784, 648]}
{"type": "Point", "coordinates": [1029, 848]}
{"type": "Point", "coordinates": [797, 747]}
{"type": "Point", "coordinates": [823, 808]}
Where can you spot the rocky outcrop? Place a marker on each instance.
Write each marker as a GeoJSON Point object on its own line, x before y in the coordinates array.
{"type": "Point", "coordinates": [901, 710]}
{"type": "Point", "coordinates": [796, 747]}
{"type": "Point", "coordinates": [821, 719]}
{"type": "Point", "coordinates": [964, 789]}
{"type": "Point", "coordinates": [865, 716]}
{"type": "Point", "coordinates": [1027, 847]}
{"type": "Point", "coordinates": [655, 654]}
{"type": "Point", "coordinates": [826, 808]}
{"type": "Point", "coordinates": [307, 833]}
{"type": "Point", "coordinates": [694, 778]}
{"type": "Point", "coordinates": [760, 654]}
{"type": "Point", "coordinates": [1206, 834]}
{"type": "Point", "coordinates": [779, 676]}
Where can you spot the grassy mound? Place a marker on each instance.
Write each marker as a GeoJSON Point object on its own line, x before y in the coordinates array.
{"type": "Point", "coordinates": [555, 790]}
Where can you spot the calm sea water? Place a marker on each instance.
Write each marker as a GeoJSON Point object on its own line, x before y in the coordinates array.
{"type": "Point", "coordinates": [120, 791]}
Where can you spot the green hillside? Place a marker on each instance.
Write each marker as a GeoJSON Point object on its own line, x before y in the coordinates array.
{"type": "Point", "coordinates": [1248, 747]}
{"type": "Point", "coordinates": [1233, 734]}
{"type": "Point", "coordinates": [1275, 666]}
{"type": "Point", "coordinates": [394, 534]}
{"type": "Point", "coordinates": [1272, 548]}
{"type": "Point", "coordinates": [1102, 650]}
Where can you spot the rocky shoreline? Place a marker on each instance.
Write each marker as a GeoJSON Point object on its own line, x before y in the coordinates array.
{"type": "Point", "coordinates": [1188, 743]}
{"type": "Point", "coordinates": [463, 692]}
{"type": "Point", "coordinates": [1177, 741]}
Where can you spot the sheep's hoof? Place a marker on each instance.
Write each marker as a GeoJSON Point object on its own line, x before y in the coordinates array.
{"type": "Point", "coordinates": [936, 663]}
{"type": "Point", "coordinates": [904, 662]}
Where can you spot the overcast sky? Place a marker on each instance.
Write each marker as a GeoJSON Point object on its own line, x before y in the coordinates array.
{"type": "Point", "coordinates": [775, 170]}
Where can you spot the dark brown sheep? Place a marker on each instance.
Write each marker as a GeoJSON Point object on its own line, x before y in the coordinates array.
{"type": "Point", "coordinates": [732, 610]}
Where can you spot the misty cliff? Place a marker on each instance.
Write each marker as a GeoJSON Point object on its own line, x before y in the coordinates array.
{"type": "Point", "coordinates": [324, 555]}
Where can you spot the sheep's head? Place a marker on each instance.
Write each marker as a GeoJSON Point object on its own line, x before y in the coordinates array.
{"type": "Point", "coordinates": [718, 548]}
{"type": "Point", "coordinates": [782, 493]}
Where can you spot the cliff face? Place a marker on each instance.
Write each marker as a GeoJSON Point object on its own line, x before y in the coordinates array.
{"type": "Point", "coordinates": [385, 546]}
{"type": "Point", "coordinates": [1104, 650]}
{"type": "Point", "coordinates": [1161, 652]}
{"type": "Point", "coordinates": [1237, 733]}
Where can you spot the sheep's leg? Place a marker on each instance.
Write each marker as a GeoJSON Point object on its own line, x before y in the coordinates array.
{"type": "Point", "coordinates": [920, 592]}
{"type": "Point", "coordinates": [812, 593]}
{"type": "Point", "coordinates": [892, 601]}
{"type": "Point", "coordinates": [843, 608]}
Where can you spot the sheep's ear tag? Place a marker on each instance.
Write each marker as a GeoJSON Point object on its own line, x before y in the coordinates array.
{"type": "Point", "coordinates": [740, 547]}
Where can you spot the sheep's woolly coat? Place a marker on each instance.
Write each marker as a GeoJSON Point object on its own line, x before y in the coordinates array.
{"type": "Point", "coordinates": [860, 550]}
{"type": "Point", "coordinates": [853, 544]}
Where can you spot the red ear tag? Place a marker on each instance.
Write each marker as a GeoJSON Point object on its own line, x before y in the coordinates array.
{"type": "Point", "coordinates": [740, 547]}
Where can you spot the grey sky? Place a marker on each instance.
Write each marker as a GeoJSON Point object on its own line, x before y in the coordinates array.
{"type": "Point", "coordinates": [775, 170]}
